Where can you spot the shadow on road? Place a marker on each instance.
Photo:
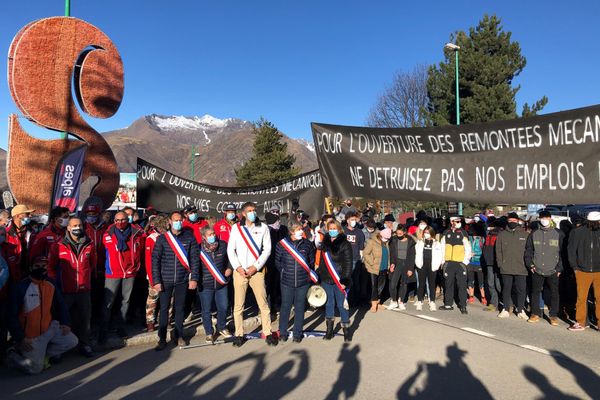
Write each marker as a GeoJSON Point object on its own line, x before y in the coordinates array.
{"type": "Point", "coordinates": [543, 384]}
{"type": "Point", "coordinates": [349, 376]}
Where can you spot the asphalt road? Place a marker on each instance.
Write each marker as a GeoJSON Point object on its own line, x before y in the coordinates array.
{"type": "Point", "coordinates": [392, 355]}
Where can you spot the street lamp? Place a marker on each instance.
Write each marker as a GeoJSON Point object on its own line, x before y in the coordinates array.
{"type": "Point", "coordinates": [455, 48]}
{"type": "Point", "coordinates": [193, 162]}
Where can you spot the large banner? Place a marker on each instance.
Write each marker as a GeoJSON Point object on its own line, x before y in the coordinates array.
{"type": "Point", "coordinates": [166, 192]}
{"type": "Point", "coordinates": [553, 158]}
{"type": "Point", "coordinates": [67, 179]}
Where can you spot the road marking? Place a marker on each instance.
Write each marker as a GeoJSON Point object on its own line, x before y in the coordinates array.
{"type": "Point", "coordinates": [427, 317]}
{"type": "Point", "coordinates": [537, 349]}
{"type": "Point", "coordinates": [478, 332]}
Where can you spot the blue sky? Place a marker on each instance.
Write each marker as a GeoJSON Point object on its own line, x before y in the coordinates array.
{"type": "Point", "coordinates": [294, 62]}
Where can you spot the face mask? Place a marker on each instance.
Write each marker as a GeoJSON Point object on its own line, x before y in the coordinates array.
{"type": "Point", "coordinates": [333, 233]}
{"type": "Point", "coordinates": [130, 218]}
{"type": "Point", "coordinates": [211, 239]}
{"type": "Point", "coordinates": [38, 273]}
{"type": "Point", "coordinates": [230, 216]}
{"type": "Point", "coordinates": [25, 221]}
{"type": "Point", "coordinates": [545, 222]}
{"type": "Point", "coordinates": [370, 230]}
{"type": "Point", "coordinates": [177, 225]}
{"type": "Point", "coordinates": [384, 240]}
{"type": "Point", "coordinates": [193, 217]}
{"type": "Point", "coordinates": [513, 225]}
{"type": "Point", "coordinates": [353, 223]}
{"type": "Point", "coordinates": [62, 222]}
{"type": "Point", "coordinates": [77, 232]}
{"type": "Point", "coordinates": [251, 216]}
{"type": "Point", "coordinates": [91, 219]}
{"type": "Point", "coordinates": [457, 225]}
{"type": "Point", "coordinates": [276, 225]}
{"type": "Point", "coordinates": [121, 224]}
{"type": "Point", "coordinates": [427, 236]}
{"type": "Point", "coordinates": [422, 227]}
{"type": "Point", "coordinates": [476, 219]}
{"type": "Point", "coordinates": [298, 235]}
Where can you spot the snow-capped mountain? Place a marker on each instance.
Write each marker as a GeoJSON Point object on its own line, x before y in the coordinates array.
{"type": "Point", "coordinates": [308, 144]}
{"type": "Point", "coordinates": [206, 122]}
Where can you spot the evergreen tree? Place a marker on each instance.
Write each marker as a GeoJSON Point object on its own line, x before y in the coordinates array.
{"type": "Point", "coordinates": [270, 161]}
{"type": "Point", "coordinates": [488, 63]}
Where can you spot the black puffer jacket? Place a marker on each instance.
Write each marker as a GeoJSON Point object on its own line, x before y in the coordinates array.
{"type": "Point", "coordinates": [293, 274]}
{"type": "Point", "coordinates": [340, 251]}
{"type": "Point", "coordinates": [220, 261]}
{"type": "Point", "coordinates": [584, 249]}
{"type": "Point", "coordinates": [166, 267]}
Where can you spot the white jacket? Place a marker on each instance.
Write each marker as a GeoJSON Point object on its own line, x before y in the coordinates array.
{"type": "Point", "coordinates": [238, 252]}
{"type": "Point", "coordinates": [437, 254]}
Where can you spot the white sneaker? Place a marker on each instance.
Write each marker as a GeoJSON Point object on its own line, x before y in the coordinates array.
{"type": "Point", "coordinates": [393, 305]}
{"type": "Point", "coordinates": [523, 315]}
{"type": "Point", "coordinates": [401, 307]}
{"type": "Point", "coordinates": [419, 306]}
{"type": "Point", "coordinates": [432, 306]}
{"type": "Point", "coordinates": [503, 314]}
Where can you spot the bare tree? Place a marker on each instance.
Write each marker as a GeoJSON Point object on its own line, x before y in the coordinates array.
{"type": "Point", "coordinates": [402, 104]}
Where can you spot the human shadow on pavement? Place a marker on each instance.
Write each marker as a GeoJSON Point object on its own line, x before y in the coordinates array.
{"type": "Point", "coordinates": [543, 384]}
{"type": "Point", "coordinates": [586, 378]}
{"type": "Point", "coordinates": [452, 380]}
{"type": "Point", "coordinates": [349, 376]}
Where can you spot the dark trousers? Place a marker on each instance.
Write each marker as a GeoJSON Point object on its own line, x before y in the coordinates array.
{"type": "Point", "coordinates": [112, 286]}
{"type": "Point", "coordinates": [297, 297]}
{"type": "Point", "coordinates": [455, 273]}
{"type": "Point", "coordinates": [97, 297]}
{"type": "Point", "coordinates": [208, 297]}
{"type": "Point", "coordinates": [80, 309]}
{"type": "Point", "coordinates": [472, 272]}
{"type": "Point", "coordinates": [520, 284]}
{"type": "Point", "coordinates": [537, 285]}
{"type": "Point", "coordinates": [398, 278]}
{"type": "Point", "coordinates": [494, 285]}
{"type": "Point", "coordinates": [377, 284]}
{"type": "Point", "coordinates": [273, 286]}
{"type": "Point", "coordinates": [3, 327]}
{"type": "Point", "coordinates": [426, 276]}
{"type": "Point", "coordinates": [179, 293]}
{"type": "Point", "coordinates": [360, 279]}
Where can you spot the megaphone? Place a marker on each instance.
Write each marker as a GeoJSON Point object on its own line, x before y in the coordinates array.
{"type": "Point", "coordinates": [316, 296]}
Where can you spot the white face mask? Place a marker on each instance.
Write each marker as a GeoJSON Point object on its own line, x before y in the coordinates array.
{"type": "Point", "coordinates": [476, 219]}
{"type": "Point", "coordinates": [384, 240]}
{"type": "Point", "coordinates": [457, 225]}
{"type": "Point", "coordinates": [427, 236]}
{"type": "Point", "coordinates": [298, 235]}
{"type": "Point", "coordinates": [353, 223]}
{"type": "Point", "coordinates": [545, 222]}
{"type": "Point", "coordinates": [422, 227]}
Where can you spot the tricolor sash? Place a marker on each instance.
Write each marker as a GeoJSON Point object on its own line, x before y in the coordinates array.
{"type": "Point", "coordinates": [299, 259]}
{"type": "Point", "coordinates": [178, 249]}
{"type": "Point", "coordinates": [250, 243]}
{"type": "Point", "coordinates": [210, 265]}
{"type": "Point", "coordinates": [334, 274]}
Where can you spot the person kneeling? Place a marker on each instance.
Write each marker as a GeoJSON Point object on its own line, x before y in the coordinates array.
{"type": "Point", "coordinates": [38, 321]}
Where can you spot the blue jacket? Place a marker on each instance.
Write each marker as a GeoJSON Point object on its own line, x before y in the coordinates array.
{"type": "Point", "coordinates": [293, 274]}
{"type": "Point", "coordinates": [220, 260]}
{"type": "Point", "coordinates": [166, 267]}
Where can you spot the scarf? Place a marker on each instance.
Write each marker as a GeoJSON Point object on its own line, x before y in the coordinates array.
{"type": "Point", "coordinates": [210, 247]}
{"type": "Point", "coordinates": [122, 238]}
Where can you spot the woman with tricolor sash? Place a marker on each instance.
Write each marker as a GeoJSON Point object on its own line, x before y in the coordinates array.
{"type": "Point", "coordinates": [294, 258]}
{"type": "Point", "coordinates": [335, 270]}
{"type": "Point", "coordinates": [215, 272]}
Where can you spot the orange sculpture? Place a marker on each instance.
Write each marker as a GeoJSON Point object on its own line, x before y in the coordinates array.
{"type": "Point", "coordinates": [48, 60]}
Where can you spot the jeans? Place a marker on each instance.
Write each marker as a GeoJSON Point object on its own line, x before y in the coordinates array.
{"type": "Point", "coordinates": [335, 295]}
{"type": "Point", "coordinates": [179, 292]}
{"type": "Point", "coordinates": [520, 282]}
{"type": "Point", "coordinates": [537, 285]}
{"type": "Point", "coordinates": [455, 273]}
{"type": "Point", "coordinates": [80, 309]}
{"type": "Point", "coordinates": [111, 287]}
{"type": "Point", "coordinates": [426, 274]}
{"type": "Point", "coordinates": [220, 298]}
{"type": "Point", "coordinates": [377, 284]}
{"type": "Point", "coordinates": [398, 277]}
{"type": "Point", "coordinates": [297, 297]}
{"type": "Point", "coordinates": [494, 285]}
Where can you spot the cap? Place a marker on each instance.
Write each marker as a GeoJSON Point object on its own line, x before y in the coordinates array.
{"type": "Point", "coordinates": [544, 214]}
{"type": "Point", "coordinates": [513, 215]}
{"type": "Point", "coordinates": [389, 218]}
{"type": "Point", "coordinates": [20, 209]}
{"type": "Point", "coordinates": [274, 209]}
{"type": "Point", "coordinates": [92, 208]}
{"type": "Point", "coordinates": [454, 217]}
{"type": "Point", "coordinates": [386, 233]}
{"type": "Point", "coordinates": [190, 209]}
{"type": "Point", "coordinates": [230, 207]}
{"type": "Point", "coordinates": [593, 216]}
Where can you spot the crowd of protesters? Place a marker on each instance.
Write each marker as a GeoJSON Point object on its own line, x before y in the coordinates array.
{"type": "Point", "coordinates": [97, 266]}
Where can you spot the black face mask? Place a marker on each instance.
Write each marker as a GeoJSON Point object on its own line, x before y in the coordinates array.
{"type": "Point", "coordinates": [513, 225]}
{"type": "Point", "coordinates": [77, 233]}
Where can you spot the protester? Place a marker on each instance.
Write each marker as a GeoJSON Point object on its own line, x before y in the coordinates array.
{"type": "Point", "coordinates": [53, 233]}
{"type": "Point", "coordinates": [95, 227]}
{"type": "Point", "coordinates": [294, 258]}
{"type": "Point", "coordinates": [348, 208]}
{"type": "Point", "coordinates": [335, 270]}
{"type": "Point", "coordinates": [457, 254]}
{"type": "Point", "coordinates": [377, 263]}
{"type": "Point", "coordinates": [491, 267]}
{"type": "Point", "coordinates": [369, 229]}
{"type": "Point", "coordinates": [124, 243]}
{"type": "Point", "coordinates": [193, 222]}
{"type": "Point", "coordinates": [132, 216]}
{"type": "Point", "coordinates": [429, 256]}
{"type": "Point", "coordinates": [223, 227]}
{"type": "Point", "coordinates": [215, 273]}
{"type": "Point", "coordinates": [389, 221]}
{"type": "Point", "coordinates": [18, 238]}
{"type": "Point", "coordinates": [71, 264]}
{"type": "Point", "coordinates": [38, 321]}
{"type": "Point", "coordinates": [4, 281]}
{"type": "Point", "coordinates": [4, 218]}
{"type": "Point", "coordinates": [510, 251]}
{"type": "Point", "coordinates": [584, 253]}
{"type": "Point", "coordinates": [272, 277]}
{"type": "Point", "coordinates": [155, 227]}
{"type": "Point", "coordinates": [544, 259]}
{"type": "Point", "coordinates": [474, 269]}
{"type": "Point", "coordinates": [248, 249]}
{"type": "Point", "coordinates": [402, 259]}
{"type": "Point", "coordinates": [175, 269]}
{"type": "Point", "coordinates": [357, 239]}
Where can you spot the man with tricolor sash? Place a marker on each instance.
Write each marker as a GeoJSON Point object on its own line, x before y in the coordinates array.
{"type": "Point", "coordinates": [248, 249]}
{"type": "Point", "coordinates": [294, 258]}
{"type": "Point", "coordinates": [175, 269]}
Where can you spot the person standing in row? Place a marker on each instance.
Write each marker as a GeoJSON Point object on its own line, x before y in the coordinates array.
{"type": "Point", "coordinates": [429, 256]}
{"type": "Point", "coordinates": [491, 267]}
{"type": "Point", "coordinates": [95, 227]}
{"type": "Point", "coordinates": [16, 247]}
{"type": "Point", "coordinates": [248, 249]}
{"type": "Point", "coordinates": [402, 259]}
{"type": "Point", "coordinates": [356, 238]}
{"type": "Point", "coordinates": [377, 263]}
{"type": "Point", "coordinates": [543, 258]}
{"type": "Point", "coordinates": [457, 254]}
{"type": "Point", "coordinates": [155, 227]}
{"type": "Point", "coordinates": [294, 258]}
{"type": "Point", "coordinates": [175, 269]}
{"type": "Point", "coordinates": [53, 233]}
{"type": "Point", "coordinates": [223, 227]}
{"type": "Point", "coordinates": [510, 251]}
{"type": "Point", "coordinates": [474, 269]}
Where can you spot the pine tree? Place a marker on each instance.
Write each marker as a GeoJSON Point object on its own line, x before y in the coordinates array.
{"type": "Point", "coordinates": [270, 161]}
{"type": "Point", "coordinates": [488, 63]}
